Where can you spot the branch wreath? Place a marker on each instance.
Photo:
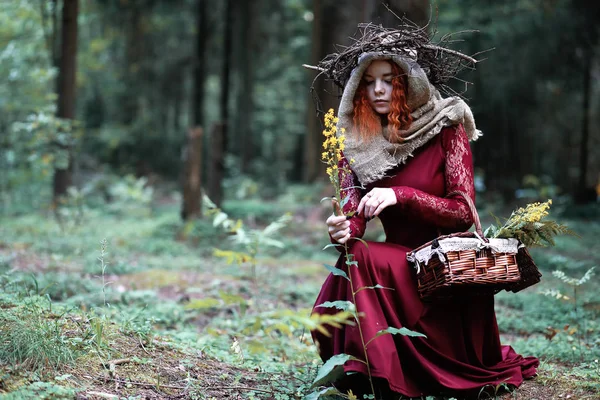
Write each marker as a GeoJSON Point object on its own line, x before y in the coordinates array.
{"type": "Point", "coordinates": [440, 62]}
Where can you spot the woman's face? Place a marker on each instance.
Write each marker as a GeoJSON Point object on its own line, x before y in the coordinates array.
{"type": "Point", "coordinates": [378, 79]}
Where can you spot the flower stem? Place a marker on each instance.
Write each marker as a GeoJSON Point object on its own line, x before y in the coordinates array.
{"type": "Point", "coordinates": [362, 338]}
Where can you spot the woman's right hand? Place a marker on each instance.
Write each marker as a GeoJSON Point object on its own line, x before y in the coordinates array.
{"type": "Point", "coordinates": [338, 225]}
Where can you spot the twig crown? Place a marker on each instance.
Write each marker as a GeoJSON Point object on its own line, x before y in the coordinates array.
{"type": "Point", "coordinates": [439, 62]}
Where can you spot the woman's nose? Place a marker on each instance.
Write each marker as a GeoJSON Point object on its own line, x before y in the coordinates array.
{"type": "Point", "coordinates": [379, 88]}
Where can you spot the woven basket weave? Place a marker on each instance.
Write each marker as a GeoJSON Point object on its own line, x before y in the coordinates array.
{"type": "Point", "coordinates": [478, 266]}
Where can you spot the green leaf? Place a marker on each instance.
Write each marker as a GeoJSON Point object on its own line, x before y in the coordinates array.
{"type": "Point", "coordinates": [220, 218]}
{"type": "Point", "coordinates": [395, 331]}
{"type": "Point", "coordinates": [378, 286]}
{"type": "Point", "coordinates": [272, 242]}
{"type": "Point", "coordinates": [277, 225]}
{"type": "Point", "coordinates": [333, 245]}
{"type": "Point", "coordinates": [490, 231]}
{"type": "Point", "coordinates": [344, 201]}
{"type": "Point", "coordinates": [324, 392]}
{"type": "Point", "coordinates": [229, 298]}
{"type": "Point", "coordinates": [344, 305]}
{"type": "Point", "coordinates": [332, 369]}
{"type": "Point", "coordinates": [199, 304]}
{"type": "Point", "coordinates": [336, 271]}
{"type": "Point", "coordinates": [327, 198]}
{"type": "Point", "coordinates": [402, 331]}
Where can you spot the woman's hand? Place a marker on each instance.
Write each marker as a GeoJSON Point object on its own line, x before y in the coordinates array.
{"type": "Point", "coordinates": [338, 225]}
{"type": "Point", "coordinates": [376, 201]}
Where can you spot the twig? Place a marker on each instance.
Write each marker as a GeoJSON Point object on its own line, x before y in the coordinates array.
{"type": "Point", "coordinates": [239, 388]}
{"type": "Point", "coordinates": [142, 345]}
{"type": "Point", "coordinates": [440, 63]}
{"type": "Point", "coordinates": [103, 395]}
{"type": "Point", "coordinates": [450, 51]}
{"type": "Point", "coordinates": [117, 362]}
{"type": "Point", "coordinates": [313, 67]}
{"type": "Point", "coordinates": [141, 383]}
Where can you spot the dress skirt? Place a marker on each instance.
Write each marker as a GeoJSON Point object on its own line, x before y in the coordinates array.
{"type": "Point", "coordinates": [461, 353]}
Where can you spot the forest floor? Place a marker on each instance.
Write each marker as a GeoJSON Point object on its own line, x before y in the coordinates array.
{"type": "Point", "coordinates": [154, 313]}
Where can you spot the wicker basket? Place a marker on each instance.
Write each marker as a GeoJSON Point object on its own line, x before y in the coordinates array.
{"type": "Point", "coordinates": [466, 263]}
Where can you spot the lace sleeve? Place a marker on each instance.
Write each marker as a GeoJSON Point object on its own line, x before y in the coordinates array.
{"type": "Point", "coordinates": [451, 212]}
{"type": "Point", "coordinates": [351, 189]}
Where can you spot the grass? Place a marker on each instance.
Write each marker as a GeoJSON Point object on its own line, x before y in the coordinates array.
{"type": "Point", "coordinates": [167, 318]}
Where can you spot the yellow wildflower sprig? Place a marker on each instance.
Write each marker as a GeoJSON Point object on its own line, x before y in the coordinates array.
{"type": "Point", "coordinates": [528, 225]}
{"type": "Point", "coordinates": [333, 146]}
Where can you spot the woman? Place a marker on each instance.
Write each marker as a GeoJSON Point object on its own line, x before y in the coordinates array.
{"type": "Point", "coordinates": [410, 149]}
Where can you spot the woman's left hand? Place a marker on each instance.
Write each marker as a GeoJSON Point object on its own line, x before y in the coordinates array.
{"type": "Point", "coordinates": [375, 201]}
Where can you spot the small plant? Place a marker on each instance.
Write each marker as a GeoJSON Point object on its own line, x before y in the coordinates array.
{"type": "Point", "coordinates": [574, 283]}
{"type": "Point", "coordinates": [333, 368]}
{"type": "Point", "coordinates": [252, 241]}
{"type": "Point", "coordinates": [32, 341]}
{"type": "Point", "coordinates": [131, 196]}
{"type": "Point", "coordinates": [490, 392]}
{"type": "Point", "coordinates": [103, 266]}
{"type": "Point", "coordinates": [528, 225]}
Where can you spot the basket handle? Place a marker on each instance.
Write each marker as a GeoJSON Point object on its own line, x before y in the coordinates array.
{"type": "Point", "coordinates": [474, 213]}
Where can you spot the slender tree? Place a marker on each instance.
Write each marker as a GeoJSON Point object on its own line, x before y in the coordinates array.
{"type": "Point", "coordinates": [220, 130]}
{"type": "Point", "coordinates": [66, 87]}
{"type": "Point", "coordinates": [199, 66]}
{"type": "Point", "coordinates": [247, 13]}
{"type": "Point", "coordinates": [192, 188]}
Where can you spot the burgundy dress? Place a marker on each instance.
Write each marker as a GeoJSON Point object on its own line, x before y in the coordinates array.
{"type": "Point", "coordinates": [462, 352]}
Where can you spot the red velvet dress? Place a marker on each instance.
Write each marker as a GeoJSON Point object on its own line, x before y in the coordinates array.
{"type": "Point", "coordinates": [462, 352]}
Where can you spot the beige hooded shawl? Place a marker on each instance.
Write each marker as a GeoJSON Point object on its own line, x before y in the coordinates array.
{"type": "Point", "coordinates": [430, 112]}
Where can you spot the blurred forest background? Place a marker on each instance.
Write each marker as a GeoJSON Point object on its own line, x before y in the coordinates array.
{"type": "Point", "coordinates": [117, 116]}
{"type": "Point", "coordinates": [120, 90]}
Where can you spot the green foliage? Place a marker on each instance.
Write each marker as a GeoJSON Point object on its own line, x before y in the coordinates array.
{"type": "Point", "coordinates": [250, 240]}
{"type": "Point", "coordinates": [333, 369]}
{"type": "Point", "coordinates": [26, 98]}
{"type": "Point", "coordinates": [165, 293]}
{"type": "Point", "coordinates": [573, 281]}
{"type": "Point", "coordinates": [33, 341]}
{"type": "Point", "coordinates": [42, 391]}
{"type": "Point", "coordinates": [42, 140]}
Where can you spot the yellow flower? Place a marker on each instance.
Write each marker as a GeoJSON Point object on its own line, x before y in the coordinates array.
{"type": "Point", "coordinates": [351, 160]}
{"type": "Point", "coordinates": [324, 155]}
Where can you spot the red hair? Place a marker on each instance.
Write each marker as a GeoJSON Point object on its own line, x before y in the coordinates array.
{"type": "Point", "coordinates": [368, 122]}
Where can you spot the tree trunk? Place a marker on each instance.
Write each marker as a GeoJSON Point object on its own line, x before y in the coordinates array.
{"type": "Point", "coordinates": [218, 144]}
{"type": "Point", "coordinates": [246, 101]}
{"type": "Point", "coordinates": [582, 186]}
{"type": "Point", "coordinates": [192, 192]}
{"type": "Point", "coordinates": [219, 139]}
{"type": "Point", "coordinates": [133, 57]}
{"type": "Point", "coordinates": [66, 87]}
{"type": "Point", "coordinates": [311, 142]}
{"type": "Point", "coordinates": [197, 111]}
